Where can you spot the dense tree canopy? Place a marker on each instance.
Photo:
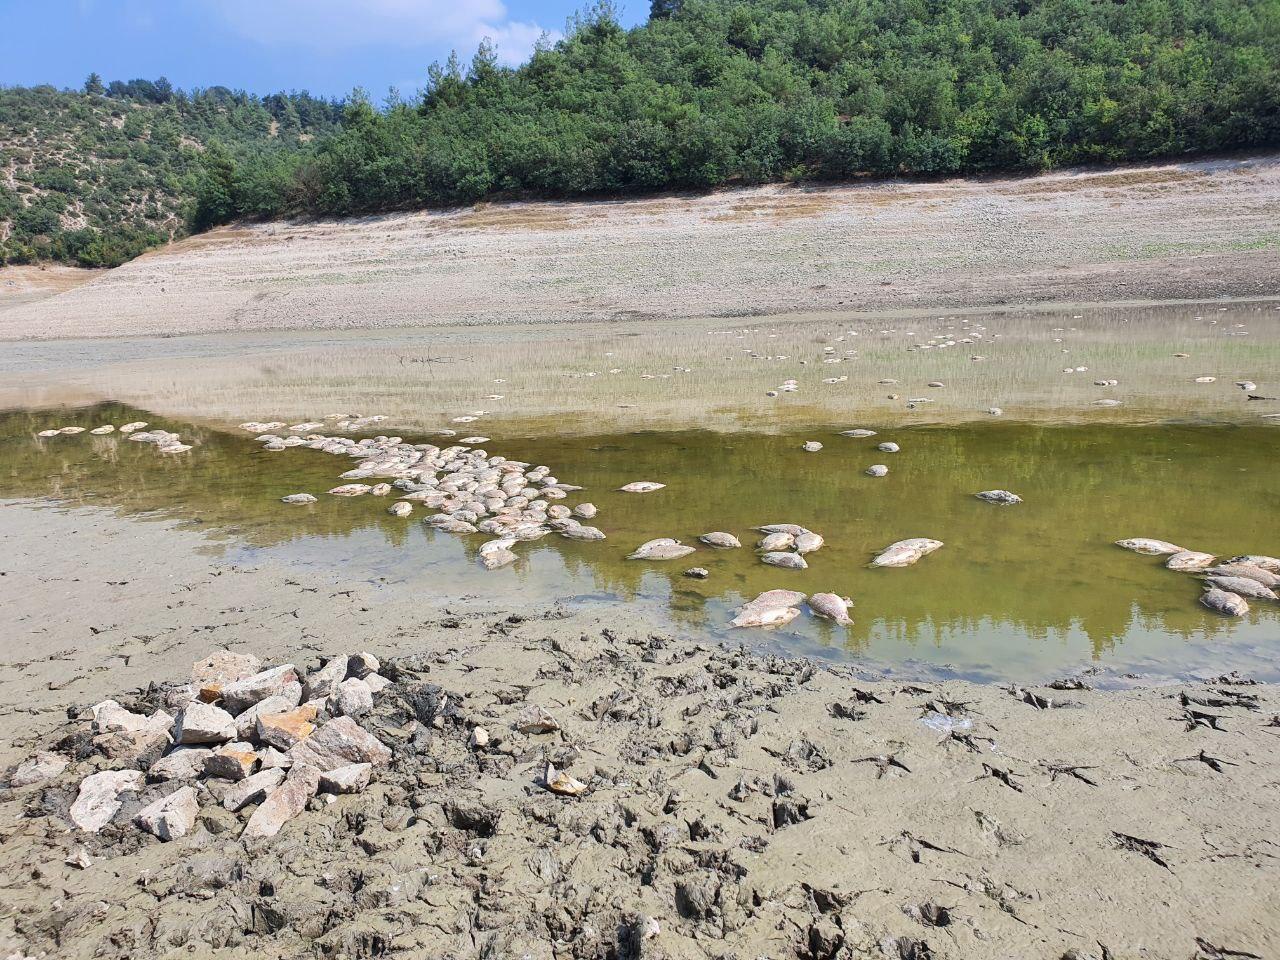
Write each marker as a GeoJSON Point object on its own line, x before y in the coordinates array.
{"type": "Point", "coordinates": [713, 92]}
{"type": "Point", "coordinates": [97, 176]}
{"type": "Point", "coordinates": [707, 93]}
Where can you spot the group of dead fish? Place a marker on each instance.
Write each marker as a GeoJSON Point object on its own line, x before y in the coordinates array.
{"type": "Point", "coordinates": [165, 441]}
{"type": "Point", "coordinates": [510, 500]}
{"type": "Point", "coordinates": [1226, 584]}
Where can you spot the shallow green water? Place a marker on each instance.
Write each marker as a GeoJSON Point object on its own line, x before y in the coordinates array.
{"type": "Point", "coordinates": [1017, 592]}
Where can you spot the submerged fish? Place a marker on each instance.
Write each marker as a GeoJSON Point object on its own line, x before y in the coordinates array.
{"type": "Point", "coordinates": [1247, 570]}
{"type": "Point", "coordinates": [723, 541]}
{"type": "Point", "coordinates": [905, 552]}
{"type": "Point", "coordinates": [809, 542]}
{"type": "Point", "coordinates": [776, 541]}
{"type": "Point", "coordinates": [831, 607]}
{"type": "Point", "coordinates": [1190, 560]}
{"type": "Point", "coordinates": [1150, 548]}
{"type": "Point", "coordinates": [662, 549]}
{"type": "Point", "coordinates": [770, 609]}
{"type": "Point", "coordinates": [789, 561]}
{"type": "Point", "coordinates": [1231, 604]}
{"type": "Point", "coordinates": [1244, 587]}
{"type": "Point", "coordinates": [1002, 497]}
{"type": "Point", "coordinates": [642, 486]}
{"type": "Point", "coordinates": [792, 528]}
{"type": "Point", "coordinates": [298, 498]}
{"type": "Point", "coordinates": [1271, 564]}
{"type": "Point", "coordinates": [351, 490]}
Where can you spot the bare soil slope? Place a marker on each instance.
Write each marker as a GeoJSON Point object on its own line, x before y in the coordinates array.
{"type": "Point", "coordinates": [1187, 230]}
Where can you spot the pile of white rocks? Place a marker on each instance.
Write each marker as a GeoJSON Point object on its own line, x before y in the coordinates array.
{"type": "Point", "coordinates": [261, 742]}
{"type": "Point", "coordinates": [471, 490]}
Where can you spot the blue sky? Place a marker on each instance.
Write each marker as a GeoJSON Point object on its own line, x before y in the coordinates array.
{"type": "Point", "coordinates": [325, 46]}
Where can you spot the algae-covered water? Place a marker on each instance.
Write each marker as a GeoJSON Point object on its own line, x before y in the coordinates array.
{"type": "Point", "coordinates": [1032, 590]}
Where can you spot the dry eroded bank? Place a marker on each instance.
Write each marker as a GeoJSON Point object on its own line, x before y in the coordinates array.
{"type": "Point", "coordinates": [1193, 230]}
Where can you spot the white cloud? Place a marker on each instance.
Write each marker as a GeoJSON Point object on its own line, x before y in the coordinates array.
{"type": "Point", "coordinates": [332, 25]}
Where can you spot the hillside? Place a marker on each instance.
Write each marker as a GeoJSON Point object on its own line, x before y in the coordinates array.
{"type": "Point", "coordinates": [711, 93]}
{"type": "Point", "coordinates": [95, 177]}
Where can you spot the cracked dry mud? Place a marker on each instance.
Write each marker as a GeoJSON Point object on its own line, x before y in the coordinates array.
{"type": "Point", "coordinates": [737, 804]}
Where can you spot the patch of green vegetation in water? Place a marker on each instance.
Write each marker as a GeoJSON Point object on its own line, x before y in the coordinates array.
{"type": "Point", "coordinates": [1021, 592]}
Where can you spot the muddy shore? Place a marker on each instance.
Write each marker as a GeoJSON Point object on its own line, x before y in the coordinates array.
{"type": "Point", "coordinates": [1195, 230]}
{"type": "Point", "coordinates": [739, 804]}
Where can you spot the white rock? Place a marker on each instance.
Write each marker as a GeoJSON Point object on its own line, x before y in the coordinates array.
{"type": "Point", "coordinates": [180, 763]}
{"type": "Point", "coordinates": [324, 681]}
{"type": "Point", "coordinates": [204, 723]}
{"type": "Point", "coordinates": [353, 698]}
{"type": "Point", "coordinates": [242, 694]}
{"type": "Point", "coordinates": [479, 738]}
{"type": "Point", "coordinates": [253, 789]}
{"type": "Point", "coordinates": [338, 743]}
{"type": "Point", "coordinates": [99, 797]}
{"type": "Point", "coordinates": [349, 779]}
{"type": "Point", "coordinates": [172, 816]}
{"type": "Point", "coordinates": [283, 803]}
{"type": "Point", "coordinates": [39, 767]}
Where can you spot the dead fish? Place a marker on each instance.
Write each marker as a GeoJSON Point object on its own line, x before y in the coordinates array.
{"type": "Point", "coordinates": [765, 617]}
{"type": "Point", "coordinates": [585, 510]}
{"type": "Point", "coordinates": [380, 490]}
{"type": "Point", "coordinates": [1003, 497]}
{"type": "Point", "coordinates": [48, 433]}
{"type": "Point", "coordinates": [697, 573]}
{"type": "Point", "coordinates": [298, 498]}
{"type": "Point", "coordinates": [720, 540]}
{"type": "Point", "coordinates": [792, 528]}
{"type": "Point", "coordinates": [1150, 548]}
{"type": "Point", "coordinates": [662, 549]}
{"type": "Point", "coordinates": [1231, 604]}
{"type": "Point", "coordinates": [583, 533]}
{"type": "Point", "coordinates": [400, 508]}
{"type": "Point", "coordinates": [776, 541]}
{"type": "Point", "coordinates": [1243, 586]}
{"type": "Point", "coordinates": [857, 434]}
{"type": "Point", "coordinates": [905, 552]}
{"type": "Point", "coordinates": [495, 559]}
{"type": "Point", "coordinates": [831, 607]}
{"type": "Point", "coordinates": [131, 427]}
{"type": "Point", "coordinates": [642, 486]}
{"type": "Point", "coordinates": [1106, 403]}
{"type": "Point", "coordinates": [1190, 560]}
{"type": "Point", "coordinates": [351, 490]}
{"type": "Point", "coordinates": [174, 447]}
{"type": "Point", "coordinates": [1271, 564]}
{"type": "Point", "coordinates": [789, 561]}
{"type": "Point", "coordinates": [809, 542]}
{"type": "Point", "coordinates": [812, 446]}
{"type": "Point", "coordinates": [1247, 570]}
{"type": "Point", "coordinates": [877, 470]}
{"type": "Point", "coordinates": [103, 430]}
{"type": "Point", "coordinates": [71, 431]}
{"type": "Point", "coordinates": [888, 447]}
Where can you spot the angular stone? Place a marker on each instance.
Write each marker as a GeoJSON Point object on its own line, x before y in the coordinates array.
{"type": "Point", "coordinates": [352, 698]}
{"type": "Point", "coordinates": [99, 797]}
{"type": "Point", "coordinates": [231, 761]}
{"type": "Point", "coordinates": [535, 719]}
{"type": "Point", "coordinates": [325, 680]}
{"type": "Point", "coordinates": [180, 763]}
{"type": "Point", "coordinates": [224, 667]}
{"type": "Point", "coordinates": [377, 682]}
{"type": "Point", "coordinates": [39, 767]}
{"type": "Point", "coordinates": [252, 789]}
{"type": "Point", "coordinates": [349, 779]}
{"type": "Point", "coordinates": [110, 717]}
{"type": "Point", "coordinates": [283, 730]}
{"type": "Point", "coordinates": [247, 722]}
{"type": "Point", "coordinates": [284, 802]}
{"type": "Point", "coordinates": [242, 694]}
{"type": "Point", "coordinates": [172, 816]}
{"type": "Point", "coordinates": [204, 723]}
{"type": "Point", "coordinates": [139, 747]}
{"type": "Point", "coordinates": [338, 743]}
{"type": "Point", "coordinates": [360, 665]}
{"type": "Point", "coordinates": [273, 759]}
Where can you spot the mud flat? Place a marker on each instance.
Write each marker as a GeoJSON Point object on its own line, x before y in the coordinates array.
{"type": "Point", "coordinates": [737, 803]}
{"type": "Point", "coordinates": [1193, 230]}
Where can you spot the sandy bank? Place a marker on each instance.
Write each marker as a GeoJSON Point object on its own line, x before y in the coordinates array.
{"type": "Point", "coordinates": [1191, 230]}
{"type": "Point", "coordinates": [750, 806]}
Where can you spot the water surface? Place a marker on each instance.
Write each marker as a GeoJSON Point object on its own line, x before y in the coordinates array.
{"type": "Point", "coordinates": [1023, 592]}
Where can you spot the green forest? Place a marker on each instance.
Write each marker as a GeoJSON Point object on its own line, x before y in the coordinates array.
{"type": "Point", "coordinates": [710, 93]}
{"type": "Point", "coordinates": [96, 176]}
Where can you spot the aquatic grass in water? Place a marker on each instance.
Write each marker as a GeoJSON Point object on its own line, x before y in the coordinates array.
{"type": "Point", "coordinates": [1018, 591]}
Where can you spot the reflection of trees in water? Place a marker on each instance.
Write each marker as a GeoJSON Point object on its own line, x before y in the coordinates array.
{"type": "Point", "coordinates": [1045, 570]}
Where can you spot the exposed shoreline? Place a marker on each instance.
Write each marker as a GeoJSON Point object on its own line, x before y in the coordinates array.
{"type": "Point", "coordinates": [1198, 230]}
{"type": "Point", "coordinates": [747, 803]}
